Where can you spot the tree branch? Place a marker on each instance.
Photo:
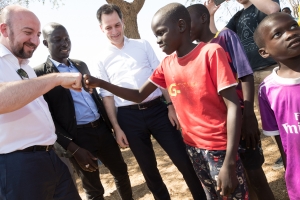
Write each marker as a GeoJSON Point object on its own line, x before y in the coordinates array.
{"type": "Point", "coordinates": [137, 5]}
{"type": "Point", "coordinates": [116, 2]}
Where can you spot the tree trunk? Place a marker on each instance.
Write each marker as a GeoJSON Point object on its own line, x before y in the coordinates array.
{"type": "Point", "coordinates": [130, 11]}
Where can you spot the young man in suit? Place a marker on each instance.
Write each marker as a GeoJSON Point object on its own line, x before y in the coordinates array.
{"type": "Point", "coordinates": [80, 119]}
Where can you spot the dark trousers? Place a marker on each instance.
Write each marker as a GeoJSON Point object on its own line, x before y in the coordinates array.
{"type": "Point", "coordinates": [101, 143]}
{"type": "Point", "coordinates": [37, 175]}
{"type": "Point", "coordinates": [139, 125]}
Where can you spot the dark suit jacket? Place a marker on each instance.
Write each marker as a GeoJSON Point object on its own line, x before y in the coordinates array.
{"type": "Point", "coordinates": [61, 103]}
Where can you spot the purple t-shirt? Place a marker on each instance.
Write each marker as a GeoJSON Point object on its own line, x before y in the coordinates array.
{"type": "Point", "coordinates": [280, 114]}
{"type": "Point", "coordinates": [236, 56]}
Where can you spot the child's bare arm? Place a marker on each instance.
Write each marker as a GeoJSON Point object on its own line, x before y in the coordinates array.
{"type": "Point", "coordinates": [280, 147]}
{"type": "Point", "coordinates": [227, 180]}
{"type": "Point", "coordinates": [135, 95]}
{"type": "Point", "coordinates": [250, 131]}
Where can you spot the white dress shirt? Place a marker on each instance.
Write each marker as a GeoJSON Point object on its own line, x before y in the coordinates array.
{"type": "Point", "coordinates": [128, 67]}
{"type": "Point", "coordinates": [30, 125]}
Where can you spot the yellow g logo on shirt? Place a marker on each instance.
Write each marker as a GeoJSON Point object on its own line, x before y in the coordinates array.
{"type": "Point", "coordinates": [173, 91]}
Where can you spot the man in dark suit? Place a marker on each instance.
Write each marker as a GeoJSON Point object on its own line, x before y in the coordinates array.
{"type": "Point", "coordinates": [81, 122]}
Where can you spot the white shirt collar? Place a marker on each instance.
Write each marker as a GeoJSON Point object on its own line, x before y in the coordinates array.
{"type": "Point", "coordinates": [126, 40]}
{"type": "Point", "coordinates": [284, 81]}
{"type": "Point", "coordinates": [4, 51]}
{"type": "Point", "coordinates": [56, 64]}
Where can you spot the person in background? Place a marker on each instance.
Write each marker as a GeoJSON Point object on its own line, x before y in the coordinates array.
{"type": "Point", "coordinates": [250, 145]}
{"type": "Point", "coordinates": [278, 36]}
{"type": "Point", "coordinates": [80, 119]}
{"type": "Point", "coordinates": [244, 23]}
{"type": "Point", "coordinates": [286, 10]}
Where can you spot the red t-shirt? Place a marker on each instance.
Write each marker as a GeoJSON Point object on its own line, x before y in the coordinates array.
{"type": "Point", "coordinates": [193, 83]}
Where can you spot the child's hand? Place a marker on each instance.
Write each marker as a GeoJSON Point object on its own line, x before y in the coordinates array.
{"type": "Point", "coordinates": [250, 131]}
{"type": "Point", "coordinates": [173, 117]}
{"type": "Point", "coordinates": [227, 180]}
{"type": "Point", "coordinates": [89, 81]}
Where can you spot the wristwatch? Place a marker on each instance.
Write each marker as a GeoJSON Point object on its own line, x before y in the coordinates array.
{"type": "Point", "coordinates": [170, 103]}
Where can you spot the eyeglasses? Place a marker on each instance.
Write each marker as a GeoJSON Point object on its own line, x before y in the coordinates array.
{"type": "Point", "coordinates": [22, 73]}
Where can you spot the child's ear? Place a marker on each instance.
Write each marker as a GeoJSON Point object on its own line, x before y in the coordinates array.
{"type": "Point", "coordinates": [203, 18]}
{"type": "Point", "coordinates": [181, 25]}
{"type": "Point", "coordinates": [263, 53]}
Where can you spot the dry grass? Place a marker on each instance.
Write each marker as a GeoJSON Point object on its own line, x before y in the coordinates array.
{"type": "Point", "coordinates": [173, 179]}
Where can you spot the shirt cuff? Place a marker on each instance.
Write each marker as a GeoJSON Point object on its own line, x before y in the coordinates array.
{"type": "Point", "coordinates": [271, 133]}
{"type": "Point", "coordinates": [156, 84]}
{"type": "Point", "coordinates": [228, 86]}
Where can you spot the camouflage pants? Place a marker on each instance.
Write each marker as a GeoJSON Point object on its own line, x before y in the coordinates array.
{"type": "Point", "coordinates": [207, 165]}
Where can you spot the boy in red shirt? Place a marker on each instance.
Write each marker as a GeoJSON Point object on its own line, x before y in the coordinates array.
{"type": "Point", "coordinates": [201, 86]}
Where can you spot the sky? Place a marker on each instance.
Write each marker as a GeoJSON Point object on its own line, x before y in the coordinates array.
{"type": "Point", "coordinates": [79, 18]}
{"type": "Point", "coordinates": [87, 39]}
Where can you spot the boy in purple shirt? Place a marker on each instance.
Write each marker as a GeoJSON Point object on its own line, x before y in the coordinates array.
{"type": "Point", "coordinates": [278, 36]}
{"type": "Point", "coordinates": [250, 146]}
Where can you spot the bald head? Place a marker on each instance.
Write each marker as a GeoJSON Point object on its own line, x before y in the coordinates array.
{"type": "Point", "coordinates": [171, 25]}
{"type": "Point", "coordinates": [13, 14]}
{"type": "Point", "coordinates": [198, 10]}
{"type": "Point", "coordinates": [20, 31]}
{"type": "Point", "coordinates": [57, 40]}
{"type": "Point", "coordinates": [49, 28]}
{"type": "Point", "coordinates": [172, 13]}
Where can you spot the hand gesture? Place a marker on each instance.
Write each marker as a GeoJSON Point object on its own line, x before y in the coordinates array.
{"type": "Point", "coordinates": [227, 180]}
{"type": "Point", "coordinates": [121, 138]}
{"type": "Point", "coordinates": [86, 160]}
{"type": "Point", "coordinates": [173, 117]}
{"type": "Point", "coordinates": [211, 6]}
{"type": "Point", "coordinates": [70, 80]}
{"type": "Point", "coordinates": [90, 81]}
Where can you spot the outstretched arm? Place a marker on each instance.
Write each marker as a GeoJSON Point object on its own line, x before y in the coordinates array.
{"type": "Point", "coordinates": [135, 95]}
{"type": "Point", "coordinates": [227, 180]}
{"type": "Point", "coordinates": [16, 94]}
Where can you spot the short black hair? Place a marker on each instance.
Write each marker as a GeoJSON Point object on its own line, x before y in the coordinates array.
{"type": "Point", "coordinates": [286, 8]}
{"type": "Point", "coordinates": [108, 9]}
{"type": "Point", "coordinates": [199, 9]}
{"type": "Point", "coordinates": [173, 12]}
{"type": "Point", "coordinates": [49, 28]}
{"type": "Point", "coordinates": [258, 35]}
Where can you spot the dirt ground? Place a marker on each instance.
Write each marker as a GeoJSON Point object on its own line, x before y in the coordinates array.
{"type": "Point", "coordinates": [173, 179]}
